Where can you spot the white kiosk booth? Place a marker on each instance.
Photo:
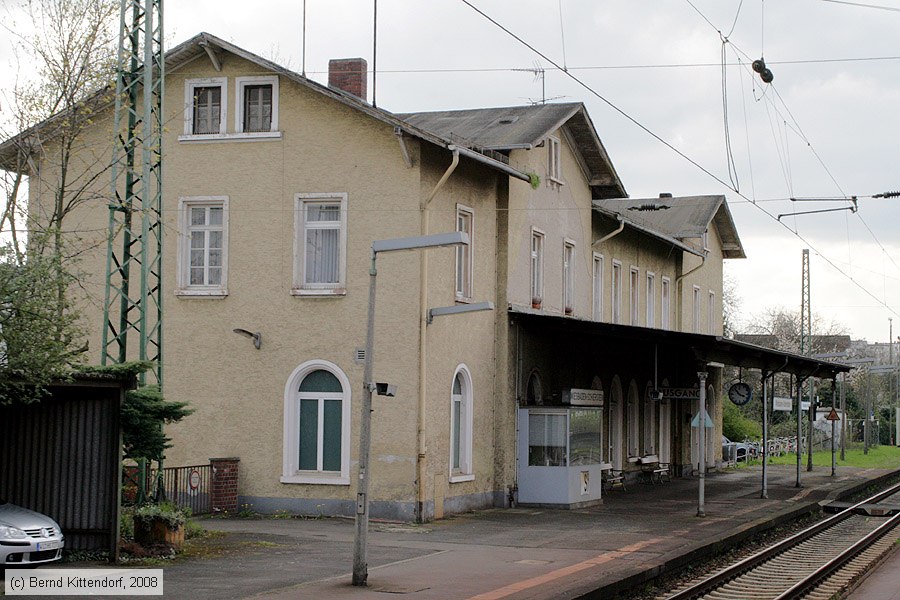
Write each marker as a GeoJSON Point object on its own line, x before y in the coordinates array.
{"type": "Point", "coordinates": [560, 451]}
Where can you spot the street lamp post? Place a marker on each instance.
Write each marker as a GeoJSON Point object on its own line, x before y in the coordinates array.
{"type": "Point", "coordinates": [459, 238]}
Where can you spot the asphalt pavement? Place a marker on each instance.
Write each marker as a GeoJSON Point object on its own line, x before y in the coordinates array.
{"type": "Point", "coordinates": [522, 553]}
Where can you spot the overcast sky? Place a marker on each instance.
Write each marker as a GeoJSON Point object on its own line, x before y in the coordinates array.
{"type": "Point", "coordinates": [827, 127]}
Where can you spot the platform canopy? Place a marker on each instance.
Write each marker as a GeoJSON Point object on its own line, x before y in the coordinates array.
{"type": "Point", "coordinates": [705, 348]}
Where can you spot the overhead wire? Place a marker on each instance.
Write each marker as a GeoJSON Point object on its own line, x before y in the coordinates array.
{"type": "Point", "coordinates": [729, 155]}
{"type": "Point", "coordinates": [798, 130]}
{"type": "Point", "coordinates": [861, 5]}
{"type": "Point", "coordinates": [747, 137]}
{"type": "Point", "coordinates": [667, 144]}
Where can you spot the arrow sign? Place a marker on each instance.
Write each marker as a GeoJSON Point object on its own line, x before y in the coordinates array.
{"type": "Point", "coordinates": [832, 416]}
{"type": "Point", "coordinates": [695, 422]}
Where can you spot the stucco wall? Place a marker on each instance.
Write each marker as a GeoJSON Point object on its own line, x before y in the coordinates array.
{"type": "Point", "coordinates": [238, 392]}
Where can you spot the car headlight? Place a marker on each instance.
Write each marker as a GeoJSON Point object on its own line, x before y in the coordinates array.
{"type": "Point", "coordinates": [8, 532]}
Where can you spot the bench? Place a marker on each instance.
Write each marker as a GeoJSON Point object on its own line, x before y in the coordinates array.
{"type": "Point", "coordinates": [612, 478]}
{"type": "Point", "coordinates": [655, 470]}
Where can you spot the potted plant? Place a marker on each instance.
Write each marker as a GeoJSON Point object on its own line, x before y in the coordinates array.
{"type": "Point", "coordinates": [159, 524]}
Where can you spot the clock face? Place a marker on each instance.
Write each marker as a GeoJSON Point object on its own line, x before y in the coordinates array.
{"type": "Point", "coordinates": [740, 393]}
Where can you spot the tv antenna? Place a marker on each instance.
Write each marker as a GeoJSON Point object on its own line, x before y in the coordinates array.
{"type": "Point", "coordinates": [540, 74]}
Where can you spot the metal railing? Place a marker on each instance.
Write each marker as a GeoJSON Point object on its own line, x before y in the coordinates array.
{"type": "Point", "coordinates": [183, 486]}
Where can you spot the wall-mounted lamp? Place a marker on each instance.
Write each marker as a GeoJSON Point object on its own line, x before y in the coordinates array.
{"type": "Point", "coordinates": [256, 337]}
{"type": "Point", "coordinates": [457, 310]}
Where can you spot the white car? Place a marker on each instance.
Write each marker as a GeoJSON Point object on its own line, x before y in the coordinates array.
{"type": "Point", "coordinates": [27, 537]}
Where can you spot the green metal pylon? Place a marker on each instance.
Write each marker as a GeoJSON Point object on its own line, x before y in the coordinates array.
{"type": "Point", "coordinates": [134, 251]}
{"type": "Point", "coordinates": [135, 217]}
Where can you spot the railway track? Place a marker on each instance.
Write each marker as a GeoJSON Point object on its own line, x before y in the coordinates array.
{"type": "Point", "coordinates": [822, 561]}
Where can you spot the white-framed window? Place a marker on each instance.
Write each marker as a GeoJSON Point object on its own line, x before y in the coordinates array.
{"type": "Point", "coordinates": [569, 277]}
{"type": "Point", "coordinates": [205, 106]}
{"type": "Point", "coordinates": [598, 287]}
{"type": "Point", "coordinates": [317, 425]}
{"type": "Point", "coordinates": [320, 244]}
{"type": "Point", "coordinates": [650, 422]}
{"type": "Point", "coordinates": [633, 416]}
{"type": "Point", "coordinates": [665, 303]}
{"type": "Point", "coordinates": [616, 292]}
{"type": "Point", "coordinates": [705, 240]}
{"type": "Point", "coordinates": [651, 299]}
{"type": "Point", "coordinates": [257, 105]}
{"type": "Point", "coordinates": [554, 160]}
{"type": "Point", "coordinates": [203, 246]}
{"type": "Point", "coordinates": [634, 295]}
{"type": "Point", "coordinates": [537, 267]}
{"type": "Point", "coordinates": [711, 313]}
{"type": "Point", "coordinates": [695, 306]}
{"type": "Point", "coordinates": [461, 420]}
{"type": "Point", "coordinates": [465, 255]}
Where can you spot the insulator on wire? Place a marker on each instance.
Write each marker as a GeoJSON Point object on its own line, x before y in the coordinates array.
{"type": "Point", "coordinates": [759, 65]}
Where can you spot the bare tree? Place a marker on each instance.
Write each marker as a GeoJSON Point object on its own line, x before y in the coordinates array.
{"type": "Point", "coordinates": [65, 54]}
{"type": "Point", "coordinates": [779, 328]}
{"type": "Point", "coordinates": [71, 50]}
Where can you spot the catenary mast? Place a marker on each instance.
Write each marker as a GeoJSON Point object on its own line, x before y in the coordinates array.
{"type": "Point", "coordinates": [133, 297]}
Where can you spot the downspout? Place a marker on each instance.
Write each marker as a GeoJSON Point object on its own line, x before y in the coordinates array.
{"type": "Point", "coordinates": [612, 234]}
{"type": "Point", "coordinates": [679, 299]}
{"type": "Point", "coordinates": [422, 447]}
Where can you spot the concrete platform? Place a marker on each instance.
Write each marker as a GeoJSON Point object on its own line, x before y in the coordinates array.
{"type": "Point", "coordinates": [540, 554]}
{"type": "Point", "coordinates": [523, 553]}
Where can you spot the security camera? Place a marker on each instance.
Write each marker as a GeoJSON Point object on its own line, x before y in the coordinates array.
{"type": "Point", "coordinates": [386, 389]}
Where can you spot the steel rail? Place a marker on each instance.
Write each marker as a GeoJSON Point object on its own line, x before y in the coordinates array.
{"type": "Point", "coordinates": [821, 574]}
{"type": "Point", "coordinates": [739, 568]}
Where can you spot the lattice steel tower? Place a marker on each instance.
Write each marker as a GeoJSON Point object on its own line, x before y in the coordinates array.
{"type": "Point", "coordinates": [133, 298]}
{"type": "Point", "coordinates": [805, 310]}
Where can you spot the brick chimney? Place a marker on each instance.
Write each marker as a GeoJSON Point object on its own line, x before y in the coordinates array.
{"type": "Point", "coordinates": [349, 75]}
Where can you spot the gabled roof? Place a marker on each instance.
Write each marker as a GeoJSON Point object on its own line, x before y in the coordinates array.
{"type": "Point", "coordinates": [516, 127]}
{"type": "Point", "coordinates": [678, 218]}
{"type": "Point", "coordinates": [205, 44]}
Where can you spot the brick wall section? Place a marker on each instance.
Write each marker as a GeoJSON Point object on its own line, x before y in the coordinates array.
{"type": "Point", "coordinates": [224, 492]}
{"type": "Point", "coordinates": [348, 74]}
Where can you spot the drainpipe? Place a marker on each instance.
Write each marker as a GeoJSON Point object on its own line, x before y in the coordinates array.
{"type": "Point", "coordinates": [611, 234]}
{"type": "Point", "coordinates": [423, 317]}
{"type": "Point", "coordinates": [679, 299]}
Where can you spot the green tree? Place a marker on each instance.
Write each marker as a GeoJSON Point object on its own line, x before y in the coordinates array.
{"type": "Point", "coordinates": [37, 343]}
{"type": "Point", "coordinates": [144, 413]}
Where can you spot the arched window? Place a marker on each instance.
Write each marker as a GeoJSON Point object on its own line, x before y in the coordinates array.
{"type": "Point", "coordinates": [317, 425]}
{"type": "Point", "coordinates": [461, 426]}
{"type": "Point", "coordinates": [534, 391]}
{"type": "Point", "coordinates": [633, 420]}
{"type": "Point", "coordinates": [650, 421]}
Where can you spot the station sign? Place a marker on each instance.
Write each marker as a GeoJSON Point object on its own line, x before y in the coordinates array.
{"type": "Point", "coordinates": [673, 393]}
{"type": "Point", "coordinates": [582, 397]}
{"type": "Point", "coordinates": [782, 404]}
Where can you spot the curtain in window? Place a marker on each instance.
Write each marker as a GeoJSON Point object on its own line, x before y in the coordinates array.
{"type": "Point", "coordinates": [546, 440]}
{"type": "Point", "coordinates": [257, 108]}
{"type": "Point", "coordinates": [207, 109]}
{"type": "Point", "coordinates": [206, 245]}
{"type": "Point", "coordinates": [323, 243]}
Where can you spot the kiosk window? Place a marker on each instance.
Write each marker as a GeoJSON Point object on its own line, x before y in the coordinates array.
{"type": "Point", "coordinates": [547, 440]}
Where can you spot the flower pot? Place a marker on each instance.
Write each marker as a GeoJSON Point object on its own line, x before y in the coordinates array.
{"type": "Point", "coordinates": [535, 302]}
{"type": "Point", "coordinates": [156, 530]}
